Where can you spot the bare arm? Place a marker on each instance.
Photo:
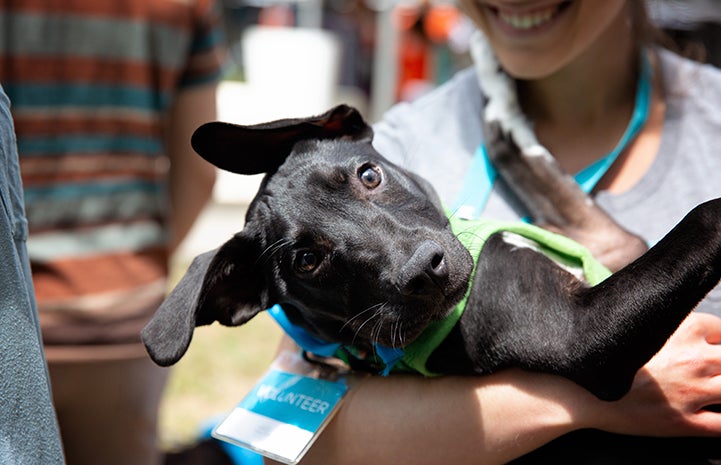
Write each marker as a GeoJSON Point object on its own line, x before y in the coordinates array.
{"type": "Point", "coordinates": [494, 419]}
{"type": "Point", "coordinates": [191, 178]}
{"type": "Point", "coordinates": [448, 420]}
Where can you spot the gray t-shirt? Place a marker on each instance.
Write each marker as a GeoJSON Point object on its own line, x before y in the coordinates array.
{"type": "Point", "coordinates": [437, 135]}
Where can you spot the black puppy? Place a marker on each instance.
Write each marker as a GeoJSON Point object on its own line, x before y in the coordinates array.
{"type": "Point", "coordinates": [337, 235]}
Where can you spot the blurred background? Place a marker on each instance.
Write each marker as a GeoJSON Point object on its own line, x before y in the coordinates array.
{"type": "Point", "coordinates": [296, 58]}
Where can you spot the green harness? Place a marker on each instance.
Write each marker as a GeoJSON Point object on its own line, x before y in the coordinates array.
{"type": "Point", "coordinates": [473, 235]}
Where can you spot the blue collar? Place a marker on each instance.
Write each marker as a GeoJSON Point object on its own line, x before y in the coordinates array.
{"type": "Point", "coordinates": [309, 343]}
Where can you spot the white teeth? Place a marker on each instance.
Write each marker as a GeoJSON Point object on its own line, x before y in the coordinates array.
{"type": "Point", "coordinates": [526, 21]}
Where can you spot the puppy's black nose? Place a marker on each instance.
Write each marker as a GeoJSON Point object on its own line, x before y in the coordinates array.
{"type": "Point", "coordinates": [425, 272]}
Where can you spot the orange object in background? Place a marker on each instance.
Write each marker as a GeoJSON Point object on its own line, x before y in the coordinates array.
{"type": "Point", "coordinates": [420, 26]}
{"type": "Point", "coordinates": [439, 21]}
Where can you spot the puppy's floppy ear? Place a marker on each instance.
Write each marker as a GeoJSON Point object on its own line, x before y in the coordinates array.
{"type": "Point", "coordinates": [222, 285]}
{"type": "Point", "coordinates": [262, 148]}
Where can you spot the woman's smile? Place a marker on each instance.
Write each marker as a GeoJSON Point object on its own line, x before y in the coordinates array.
{"type": "Point", "coordinates": [524, 21]}
{"type": "Point", "coordinates": [534, 39]}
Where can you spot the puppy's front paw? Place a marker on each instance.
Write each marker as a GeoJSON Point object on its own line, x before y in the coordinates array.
{"type": "Point", "coordinates": [501, 147]}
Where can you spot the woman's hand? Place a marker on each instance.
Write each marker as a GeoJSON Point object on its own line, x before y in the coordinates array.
{"type": "Point", "coordinates": [672, 393]}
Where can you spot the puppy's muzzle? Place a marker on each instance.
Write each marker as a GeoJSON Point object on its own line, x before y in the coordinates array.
{"type": "Point", "coordinates": [425, 274]}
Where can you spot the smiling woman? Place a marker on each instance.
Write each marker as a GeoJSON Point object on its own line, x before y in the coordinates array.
{"type": "Point", "coordinates": [576, 65]}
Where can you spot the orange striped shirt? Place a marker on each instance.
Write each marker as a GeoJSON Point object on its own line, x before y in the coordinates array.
{"type": "Point", "coordinates": [90, 83]}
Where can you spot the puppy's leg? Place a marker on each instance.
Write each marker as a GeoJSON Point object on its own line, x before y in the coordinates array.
{"type": "Point", "coordinates": [553, 198]}
{"type": "Point", "coordinates": [556, 202]}
{"type": "Point", "coordinates": [544, 319]}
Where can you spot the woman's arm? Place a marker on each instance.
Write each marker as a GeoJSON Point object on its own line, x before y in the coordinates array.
{"type": "Point", "coordinates": [494, 419]}
{"type": "Point", "coordinates": [450, 420]}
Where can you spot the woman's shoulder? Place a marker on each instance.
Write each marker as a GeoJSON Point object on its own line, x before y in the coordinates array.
{"type": "Point", "coordinates": [691, 82]}
{"type": "Point", "coordinates": [448, 113]}
{"type": "Point", "coordinates": [453, 97]}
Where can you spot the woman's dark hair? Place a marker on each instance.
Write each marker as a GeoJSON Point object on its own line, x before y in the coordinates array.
{"type": "Point", "coordinates": [645, 31]}
{"type": "Point", "coordinates": [649, 34]}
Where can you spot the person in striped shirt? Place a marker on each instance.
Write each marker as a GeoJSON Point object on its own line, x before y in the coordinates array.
{"type": "Point", "coordinates": [105, 95]}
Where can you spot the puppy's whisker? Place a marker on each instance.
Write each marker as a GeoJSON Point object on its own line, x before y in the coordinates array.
{"type": "Point", "coordinates": [397, 336]}
{"type": "Point", "coordinates": [369, 309]}
{"type": "Point", "coordinates": [377, 312]}
{"type": "Point", "coordinates": [399, 333]}
{"type": "Point", "coordinates": [394, 323]}
{"type": "Point", "coordinates": [376, 331]}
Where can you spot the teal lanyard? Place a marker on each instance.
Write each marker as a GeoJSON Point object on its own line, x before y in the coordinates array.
{"type": "Point", "coordinates": [478, 183]}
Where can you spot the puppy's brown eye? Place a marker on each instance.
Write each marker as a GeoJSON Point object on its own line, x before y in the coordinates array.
{"type": "Point", "coordinates": [370, 176]}
{"type": "Point", "coordinates": [307, 261]}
